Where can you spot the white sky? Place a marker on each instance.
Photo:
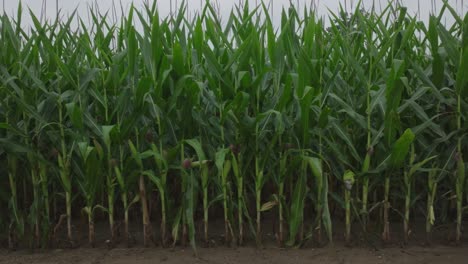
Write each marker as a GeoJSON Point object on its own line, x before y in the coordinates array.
{"type": "Point", "coordinates": [421, 7]}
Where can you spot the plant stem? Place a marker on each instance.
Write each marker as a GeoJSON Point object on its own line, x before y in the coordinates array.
{"type": "Point", "coordinates": [35, 183]}
{"type": "Point", "coordinates": [225, 202]}
{"type": "Point", "coordinates": [163, 218]}
{"type": "Point", "coordinates": [45, 192]}
{"type": "Point", "coordinates": [91, 233]}
{"type": "Point", "coordinates": [430, 218]}
{"type": "Point", "coordinates": [110, 201]}
{"type": "Point", "coordinates": [258, 197]}
{"type": "Point", "coordinates": [386, 232]}
{"type": "Point", "coordinates": [126, 223]}
{"type": "Point", "coordinates": [348, 216]}
{"type": "Point", "coordinates": [365, 193]}
{"type": "Point", "coordinates": [68, 205]}
{"type": "Point", "coordinates": [407, 210]}
{"type": "Point", "coordinates": [12, 164]}
{"type": "Point", "coordinates": [147, 232]}
{"type": "Point", "coordinates": [281, 217]}
{"type": "Point", "coordinates": [460, 181]}
{"type": "Point", "coordinates": [205, 211]}
{"type": "Point", "coordinates": [64, 164]}
{"type": "Point", "coordinates": [237, 169]}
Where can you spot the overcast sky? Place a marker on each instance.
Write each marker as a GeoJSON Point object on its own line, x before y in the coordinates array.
{"type": "Point", "coordinates": [48, 7]}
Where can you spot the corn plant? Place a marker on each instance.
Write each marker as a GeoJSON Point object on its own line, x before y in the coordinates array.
{"type": "Point", "coordinates": [89, 184]}
{"type": "Point", "coordinates": [348, 179]}
{"type": "Point", "coordinates": [309, 122]}
{"type": "Point", "coordinates": [147, 229]}
{"type": "Point", "coordinates": [461, 92]}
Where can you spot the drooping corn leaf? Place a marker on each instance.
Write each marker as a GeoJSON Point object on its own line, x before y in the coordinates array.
{"type": "Point", "coordinates": [401, 148]}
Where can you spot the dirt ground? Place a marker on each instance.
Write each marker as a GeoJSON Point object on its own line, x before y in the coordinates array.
{"type": "Point", "coordinates": [439, 254]}
{"type": "Point", "coordinates": [370, 251]}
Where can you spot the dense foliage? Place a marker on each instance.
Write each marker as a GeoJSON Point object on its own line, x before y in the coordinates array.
{"type": "Point", "coordinates": [183, 120]}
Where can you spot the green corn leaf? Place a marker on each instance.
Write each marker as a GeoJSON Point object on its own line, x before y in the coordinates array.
{"type": "Point", "coordinates": [190, 201]}
{"type": "Point", "coordinates": [220, 157]}
{"type": "Point", "coordinates": [297, 207]}
{"type": "Point", "coordinates": [178, 59]}
{"type": "Point", "coordinates": [315, 165]}
{"type": "Point", "coordinates": [156, 180]}
{"type": "Point", "coordinates": [326, 217]}
{"type": "Point", "coordinates": [348, 176]}
{"type": "Point", "coordinates": [106, 134]}
{"type": "Point", "coordinates": [394, 93]}
{"type": "Point", "coordinates": [135, 200]}
{"type": "Point", "coordinates": [268, 205]}
{"type": "Point", "coordinates": [460, 178]}
{"type": "Point", "coordinates": [419, 165]}
{"type": "Point", "coordinates": [196, 145]}
{"type": "Point", "coordinates": [75, 115]}
{"type": "Point", "coordinates": [120, 179]}
{"type": "Point", "coordinates": [135, 155]}
{"type": "Point", "coordinates": [401, 149]}
{"type": "Point", "coordinates": [462, 77]}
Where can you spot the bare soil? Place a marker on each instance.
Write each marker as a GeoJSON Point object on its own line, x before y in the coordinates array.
{"type": "Point", "coordinates": [439, 254]}
{"type": "Point", "coordinates": [362, 250]}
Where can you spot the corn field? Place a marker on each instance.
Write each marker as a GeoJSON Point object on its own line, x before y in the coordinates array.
{"type": "Point", "coordinates": [185, 122]}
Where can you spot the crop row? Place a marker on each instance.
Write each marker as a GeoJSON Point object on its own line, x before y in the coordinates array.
{"type": "Point", "coordinates": [368, 115]}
